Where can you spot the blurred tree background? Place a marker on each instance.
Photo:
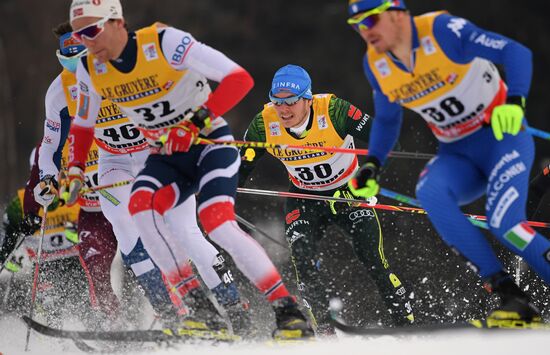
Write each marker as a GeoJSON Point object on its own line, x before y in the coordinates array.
{"type": "Point", "coordinates": [263, 36]}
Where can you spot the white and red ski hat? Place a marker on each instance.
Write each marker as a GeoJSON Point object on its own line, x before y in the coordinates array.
{"type": "Point", "coordinates": [95, 8]}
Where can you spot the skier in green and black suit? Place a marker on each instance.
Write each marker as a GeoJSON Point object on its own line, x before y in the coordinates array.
{"type": "Point", "coordinates": [296, 116]}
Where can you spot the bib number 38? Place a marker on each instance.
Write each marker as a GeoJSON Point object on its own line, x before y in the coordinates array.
{"type": "Point", "coordinates": [448, 107]}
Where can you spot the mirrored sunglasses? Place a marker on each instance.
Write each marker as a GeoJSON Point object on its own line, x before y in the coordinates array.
{"type": "Point", "coordinates": [368, 19]}
{"type": "Point", "coordinates": [289, 101]}
{"type": "Point", "coordinates": [91, 32]}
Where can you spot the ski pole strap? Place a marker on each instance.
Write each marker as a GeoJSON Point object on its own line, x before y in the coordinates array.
{"type": "Point", "coordinates": [265, 145]}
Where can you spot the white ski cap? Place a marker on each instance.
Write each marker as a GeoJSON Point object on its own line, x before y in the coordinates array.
{"type": "Point", "coordinates": [95, 8]}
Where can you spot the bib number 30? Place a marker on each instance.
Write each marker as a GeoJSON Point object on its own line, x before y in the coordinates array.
{"type": "Point", "coordinates": [320, 171]}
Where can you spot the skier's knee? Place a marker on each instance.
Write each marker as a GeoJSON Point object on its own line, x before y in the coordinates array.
{"type": "Point", "coordinates": [216, 214]}
{"type": "Point", "coordinates": [165, 199]}
{"type": "Point", "coordinates": [140, 200]}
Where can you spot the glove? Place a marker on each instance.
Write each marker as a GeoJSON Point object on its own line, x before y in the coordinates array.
{"type": "Point", "coordinates": [71, 232]}
{"type": "Point", "coordinates": [14, 264]}
{"type": "Point", "coordinates": [46, 190]}
{"type": "Point", "coordinates": [200, 117]}
{"type": "Point", "coordinates": [249, 155]}
{"type": "Point", "coordinates": [180, 137]}
{"type": "Point", "coordinates": [76, 182]}
{"type": "Point", "coordinates": [346, 193]}
{"type": "Point", "coordinates": [341, 193]}
{"type": "Point", "coordinates": [30, 224]}
{"type": "Point", "coordinates": [365, 182]}
{"type": "Point", "coordinates": [508, 118]}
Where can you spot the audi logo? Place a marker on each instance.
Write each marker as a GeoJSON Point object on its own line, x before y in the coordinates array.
{"type": "Point", "coordinates": [360, 214]}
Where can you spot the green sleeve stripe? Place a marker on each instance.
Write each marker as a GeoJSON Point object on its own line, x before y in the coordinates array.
{"type": "Point", "coordinates": [338, 112]}
{"type": "Point", "coordinates": [256, 130]}
{"type": "Point", "coordinates": [14, 211]}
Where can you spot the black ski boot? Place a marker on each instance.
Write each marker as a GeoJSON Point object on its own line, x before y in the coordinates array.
{"type": "Point", "coordinates": [203, 311]}
{"type": "Point", "coordinates": [291, 323]}
{"type": "Point", "coordinates": [401, 310]}
{"type": "Point", "coordinates": [516, 310]}
{"type": "Point", "coordinates": [239, 316]}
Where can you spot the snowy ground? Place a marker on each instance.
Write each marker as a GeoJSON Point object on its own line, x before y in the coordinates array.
{"type": "Point", "coordinates": [436, 295]}
{"type": "Point", "coordinates": [470, 342]}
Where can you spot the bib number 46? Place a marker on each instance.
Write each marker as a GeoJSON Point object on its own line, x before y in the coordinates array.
{"type": "Point", "coordinates": [127, 131]}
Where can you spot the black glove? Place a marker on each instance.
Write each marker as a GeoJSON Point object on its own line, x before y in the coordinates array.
{"type": "Point", "coordinates": [201, 118]}
{"type": "Point", "coordinates": [46, 190]}
{"type": "Point", "coordinates": [30, 224]}
{"type": "Point", "coordinates": [365, 182]}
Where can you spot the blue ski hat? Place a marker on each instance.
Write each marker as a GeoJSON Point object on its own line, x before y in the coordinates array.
{"type": "Point", "coordinates": [293, 79]}
{"type": "Point", "coordinates": [358, 6]}
{"type": "Point", "coordinates": [70, 51]}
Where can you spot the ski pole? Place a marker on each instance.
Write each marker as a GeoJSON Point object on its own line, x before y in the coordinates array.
{"type": "Point", "coordinates": [406, 199]}
{"type": "Point", "coordinates": [254, 228]}
{"type": "Point", "coordinates": [476, 219]}
{"type": "Point", "coordinates": [8, 291]}
{"type": "Point", "coordinates": [538, 133]}
{"type": "Point", "coordinates": [19, 242]}
{"type": "Point", "coordinates": [36, 276]}
{"type": "Point", "coordinates": [265, 145]}
{"type": "Point", "coordinates": [105, 187]}
{"type": "Point", "coordinates": [314, 197]}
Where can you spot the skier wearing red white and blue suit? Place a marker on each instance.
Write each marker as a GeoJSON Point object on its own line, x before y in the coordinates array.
{"type": "Point", "coordinates": [119, 146]}
{"type": "Point", "coordinates": [443, 68]}
{"type": "Point", "coordinates": [158, 76]}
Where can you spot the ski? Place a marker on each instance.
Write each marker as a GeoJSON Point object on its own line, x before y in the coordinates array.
{"type": "Point", "coordinates": [474, 324]}
{"type": "Point", "coordinates": [336, 306]}
{"type": "Point", "coordinates": [152, 335]}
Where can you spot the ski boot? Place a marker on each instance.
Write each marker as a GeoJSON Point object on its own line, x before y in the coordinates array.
{"type": "Point", "coordinates": [236, 308]}
{"type": "Point", "coordinates": [239, 316]}
{"type": "Point", "coordinates": [401, 311]}
{"type": "Point", "coordinates": [201, 321]}
{"type": "Point", "coordinates": [203, 313]}
{"type": "Point", "coordinates": [291, 323]}
{"type": "Point", "coordinates": [516, 310]}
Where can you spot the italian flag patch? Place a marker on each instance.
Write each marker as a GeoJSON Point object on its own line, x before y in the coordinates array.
{"type": "Point", "coordinates": [520, 236]}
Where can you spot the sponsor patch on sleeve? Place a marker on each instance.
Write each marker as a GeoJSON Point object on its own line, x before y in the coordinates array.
{"type": "Point", "coordinates": [53, 125]}
{"type": "Point", "coordinates": [520, 236]}
{"type": "Point", "coordinates": [354, 113]}
{"type": "Point", "coordinates": [84, 106]}
{"type": "Point", "coordinates": [292, 216]}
